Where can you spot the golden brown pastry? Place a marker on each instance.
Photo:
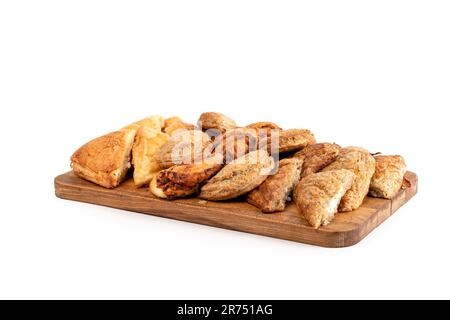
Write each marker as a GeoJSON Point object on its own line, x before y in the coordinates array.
{"type": "Point", "coordinates": [239, 177]}
{"type": "Point", "coordinates": [175, 124]}
{"type": "Point", "coordinates": [272, 194]}
{"type": "Point", "coordinates": [264, 125]}
{"type": "Point", "coordinates": [105, 160]}
{"type": "Point", "coordinates": [318, 195]}
{"type": "Point", "coordinates": [184, 147]}
{"type": "Point", "coordinates": [146, 151]}
{"type": "Point", "coordinates": [362, 164]}
{"type": "Point", "coordinates": [172, 121]}
{"type": "Point", "coordinates": [317, 156]}
{"type": "Point", "coordinates": [295, 139]}
{"type": "Point", "coordinates": [289, 140]}
{"type": "Point", "coordinates": [153, 122]}
{"type": "Point", "coordinates": [235, 143]}
{"type": "Point", "coordinates": [388, 177]}
{"type": "Point", "coordinates": [216, 121]}
{"type": "Point", "coordinates": [264, 132]}
{"type": "Point", "coordinates": [183, 180]}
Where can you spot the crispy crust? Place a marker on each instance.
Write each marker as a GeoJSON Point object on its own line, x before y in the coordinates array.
{"type": "Point", "coordinates": [172, 121]}
{"type": "Point", "coordinates": [317, 156]}
{"type": "Point", "coordinates": [146, 150]}
{"type": "Point", "coordinates": [236, 143]}
{"type": "Point", "coordinates": [362, 164]}
{"type": "Point", "coordinates": [155, 190]}
{"type": "Point", "coordinates": [388, 177]}
{"type": "Point", "coordinates": [239, 177]}
{"type": "Point", "coordinates": [264, 132]}
{"type": "Point", "coordinates": [183, 180]}
{"type": "Point", "coordinates": [272, 194]}
{"type": "Point", "coordinates": [216, 121]}
{"type": "Point", "coordinates": [174, 124]}
{"type": "Point", "coordinates": [318, 195]}
{"type": "Point", "coordinates": [295, 139]}
{"type": "Point", "coordinates": [105, 160]}
{"type": "Point", "coordinates": [184, 147]}
{"type": "Point", "coordinates": [153, 122]}
{"type": "Point", "coordinates": [264, 125]}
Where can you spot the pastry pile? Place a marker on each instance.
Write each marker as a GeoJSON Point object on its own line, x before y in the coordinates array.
{"type": "Point", "coordinates": [217, 160]}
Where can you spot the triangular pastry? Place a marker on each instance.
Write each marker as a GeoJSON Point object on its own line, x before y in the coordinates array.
{"type": "Point", "coordinates": [317, 156]}
{"type": "Point", "coordinates": [272, 194]}
{"type": "Point", "coordinates": [183, 180]}
{"type": "Point", "coordinates": [318, 195]}
{"type": "Point", "coordinates": [145, 153]}
{"type": "Point", "coordinates": [388, 178]}
{"type": "Point", "coordinates": [362, 164]}
{"type": "Point", "coordinates": [105, 160]}
{"type": "Point", "coordinates": [239, 177]}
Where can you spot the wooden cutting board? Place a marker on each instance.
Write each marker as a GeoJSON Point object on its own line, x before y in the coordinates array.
{"type": "Point", "coordinates": [345, 230]}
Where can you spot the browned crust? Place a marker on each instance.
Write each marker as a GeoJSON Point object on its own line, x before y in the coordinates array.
{"type": "Point", "coordinates": [105, 160]}
{"type": "Point", "coordinates": [146, 150]}
{"type": "Point", "coordinates": [317, 196]}
{"type": "Point", "coordinates": [362, 164]}
{"type": "Point", "coordinates": [184, 147]}
{"type": "Point", "coordinates": [236, 143]}
{"type": "Point", "coordinates": [272, 194]}
{"type": "Point", "coordinates": [264, 132]}
{"type": "Point", "coordinates": [388, 177]}
{"type": "Point", "coordinates": [317, 156]}
{"type": "Point", "coordinates": [295, 139]}
{"type": "Point", "coordinates": [174, 124]}
{"type": "Point", "coordinates": [238, 177]}
{"type": "Point", "coordinates": [172, 121]}
{"type": "Point", "coordinates": [184, 180]}
{"type": "Point", "coordinates": [154, 122]}
{"type": "Point", "coordinates": [216, 121]}
{"type": "Point", "coordinates": [264, 125]}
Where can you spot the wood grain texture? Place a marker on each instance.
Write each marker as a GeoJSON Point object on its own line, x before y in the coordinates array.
{"type": "Point", "coordinates": [345, 230]}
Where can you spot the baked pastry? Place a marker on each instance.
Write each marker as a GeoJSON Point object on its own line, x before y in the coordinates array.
{"type": "Point", "coordinates": [264, 125]}
{"type": "Point", "coordinates": [272, 194]}
{"type": "Point", "coordinates": [289, 140]}
{"type": "Point", "coordinates": [105, 160]}
{"type": "Point", "coordinates": [318, 195]}
{"type": "Point", "coordinates": [235, 143]}
{"type": "Point", "coordinates": [168, 122]}
{"type": "Point", "coordinates": [153, 122]}
{"type": "Point", "coordinates": [184, 147]}
{"type": "Point", "coordinates": [264, 131]}
{"type": "Point", "coordinates": [145, 152]}
{"type": "Point", "coordinates": [317, 156]}
{"type": "Point", "coordinates": [175, 124]}
{"type": "Point", "coordinates": [388, 177]}
{"type": "Point", "coordinates": [239, 177]}
{"type": "Point", "coordinates": [216, 122]}
{"type": "Point", "coordinates": [362, 164]}
{"type": "Point", "coordinates": [295, 139]}
{"type": "Point", "coordinates": [183, 180]}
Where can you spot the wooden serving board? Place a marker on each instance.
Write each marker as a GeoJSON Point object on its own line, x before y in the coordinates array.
{"type": "Point", "coordinates": [345, 230]}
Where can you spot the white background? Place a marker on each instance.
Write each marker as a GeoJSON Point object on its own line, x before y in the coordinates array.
{"type": "Point", "coordinates": [368, 73]}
